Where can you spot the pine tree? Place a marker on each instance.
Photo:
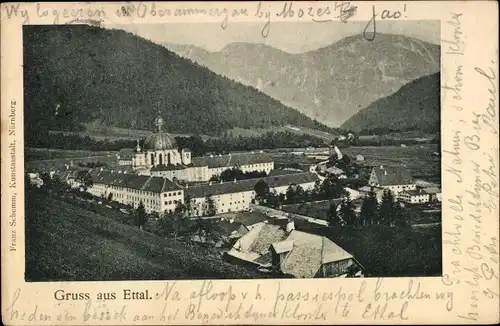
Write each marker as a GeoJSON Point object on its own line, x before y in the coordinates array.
{"type": "Point", "coordinates": [290, 194]}
{"type": "Point", "coordinates": [369, 209]}
{"type": "Point", "coordinates": [140, 217]}
{"type": "Point", "coordinates": [261, 190]}
{"type": "Point", "coordinates": [210, 209]}
{"type": "Point", "coordinates": [387, 211]}
{"type": "Point", "coordinates": [364, 215]}
{"type": "Point", "coordinates": [187, 204]}
{"type": "Point", "coordinates": [164, 226]}
{"type": "Point", "coordinates": [332, 216]}
{"type": "Point", "coordinates": [317, 189]}
{"type": "Point", "coordinates": [347, 212]}
{"type": "Point", "coordinates": [400, 217]}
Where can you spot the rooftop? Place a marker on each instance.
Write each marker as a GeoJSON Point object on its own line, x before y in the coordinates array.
{"type": "Point", "coordinates": [432, 190]}
{"type": "Point", "coordinates": [125, 154]}
{"type": "Point", "coordinates": [414, 192]}
{"type": "Point", "coordinates": [309, 252]}
{"type": "Point", "coordinates": [215, 189]}
{"type": "Point", "coordinates": [133, 181]}
{"type": "Point", "coordinates": [305, 253]}
{"type": "Point", "coordinates": [393, 175]}
{"type": "Point", "coordinates": [229, 160]}
{"type": "Point", "coordinates": [168, 167]}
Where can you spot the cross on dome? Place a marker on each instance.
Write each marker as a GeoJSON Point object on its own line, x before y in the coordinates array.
{"type": "Point", "coordinates": [159, 122]}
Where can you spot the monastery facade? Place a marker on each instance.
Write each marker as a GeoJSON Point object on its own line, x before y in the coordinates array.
{"type": "Point", "coordinates": [160, 156]}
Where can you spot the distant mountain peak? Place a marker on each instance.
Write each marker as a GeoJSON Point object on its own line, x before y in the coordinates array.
{"type": "Point", "coordinates": [331, 83]}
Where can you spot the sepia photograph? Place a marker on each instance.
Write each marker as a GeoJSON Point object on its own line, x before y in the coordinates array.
{"type": "Point", "coordinates": [184, 151]}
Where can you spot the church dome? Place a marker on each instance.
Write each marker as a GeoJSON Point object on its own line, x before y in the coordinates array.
{"type": "Point", "coordinates": [159, 140]}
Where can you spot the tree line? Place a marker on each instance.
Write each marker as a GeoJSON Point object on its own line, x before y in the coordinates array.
{"type": "Point", "coordinates": [329, 188]}
{"type": "Point", "coordinates": [195, 143]}
{"type": "Point", "coordinates": [389, 212]}
{"type": "Point", "coordinates": [237, 174]}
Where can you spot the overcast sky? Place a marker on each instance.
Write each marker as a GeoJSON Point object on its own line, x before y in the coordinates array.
{"type": "Point", "coordinates": [289, 37]}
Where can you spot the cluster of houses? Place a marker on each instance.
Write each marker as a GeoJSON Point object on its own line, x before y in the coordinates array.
{"type": "Point", "coordinates": [272, 244]}
{"type": "Point", "coordinates": [160, 176]}
{"type": "Point", "coordinates": [161, 195]}
{"type": "Point", "coordinates": [276, 246]}
{"type": "Point", "coordinates": [400, 182]}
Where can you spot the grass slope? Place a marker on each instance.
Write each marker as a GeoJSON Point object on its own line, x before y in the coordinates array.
{"type": "Point", "coordinates": [67, 243]}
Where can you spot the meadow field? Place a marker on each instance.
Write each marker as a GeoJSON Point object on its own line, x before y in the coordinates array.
{"type": "Point", "coordinates": [316, 209]}
{"type": "Point", "coordinates": [45, 159]}
{"type": "Point", "coordinates": [327, 137]}
{"type": "Point", "coordinates": [65, 242]}
{"type": "Point", "coordinates": [105, 133]}
{"type": "Point", "coordinates": [37, 154]}
{"type": "Point", "coordinates": [419, 159]}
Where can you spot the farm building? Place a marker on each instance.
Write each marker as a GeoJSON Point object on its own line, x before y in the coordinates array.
{"type": "Point", "coordinates": [434, 193]}
{"type": "Point", "coordinates": [394, 178]}
{"type": "Point", "coordinates": [414, 197]}
{"type": "Point", "coordinates": [287, 251]}
{"type": "Point", "coordinates": [365, 192]}
{"type": "Point", "coordinates": [125, 156]}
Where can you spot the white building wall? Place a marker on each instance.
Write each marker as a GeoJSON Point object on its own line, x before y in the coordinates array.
{"type": "Point", "coordinates": [152, 201]}
{"type": "Point", "coordinates": [237, 202]}
{"type": "Point", "coordinates": [170, 199]}
{"type": "Point", "coordinates": [231, 202]}
{"type": "Point", "coordinates": [125, 162]}
{"type": "Point", "coordinates": [414, 199]}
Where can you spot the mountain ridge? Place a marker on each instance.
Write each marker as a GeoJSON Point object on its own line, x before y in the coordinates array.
{"type": "Point", "coordinates": [81, 74]}
{"type": "Point", "coordinates": [325, 84]}
{"type": "Point", "coordinates": [415, 106]}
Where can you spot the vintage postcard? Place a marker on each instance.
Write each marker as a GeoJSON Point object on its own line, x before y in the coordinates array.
{"type": "Point", "coordinates": [216, 163]}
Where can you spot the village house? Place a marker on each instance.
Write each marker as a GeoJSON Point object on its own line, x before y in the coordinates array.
{"type": "Point", "coordinates": [125, 156]}
{"type": "Point", "coordinates": [394, 178]}
{"type": "Point", "coordinates": [434, 193]}
{"type": "Point", "coordinates": [365, 192]}
{"type": "Point", "coordinates": [414, 197]}
{"type": "Point", "coordinates": [35, 179]}
{"type": "Point", "coordinates": [234, 226]}
{"type": "Point", "coordinates": [70, 176]}
{"type": "Point", "coordinates": [333, 170]}
{"type": "Point", "coordinates": [276, 246]}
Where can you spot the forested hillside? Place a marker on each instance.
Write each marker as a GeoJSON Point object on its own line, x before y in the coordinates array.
{"type": "Point", "coordinates": [416, 106]}
{"type": "Point", "coordinates": [77, 74]}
